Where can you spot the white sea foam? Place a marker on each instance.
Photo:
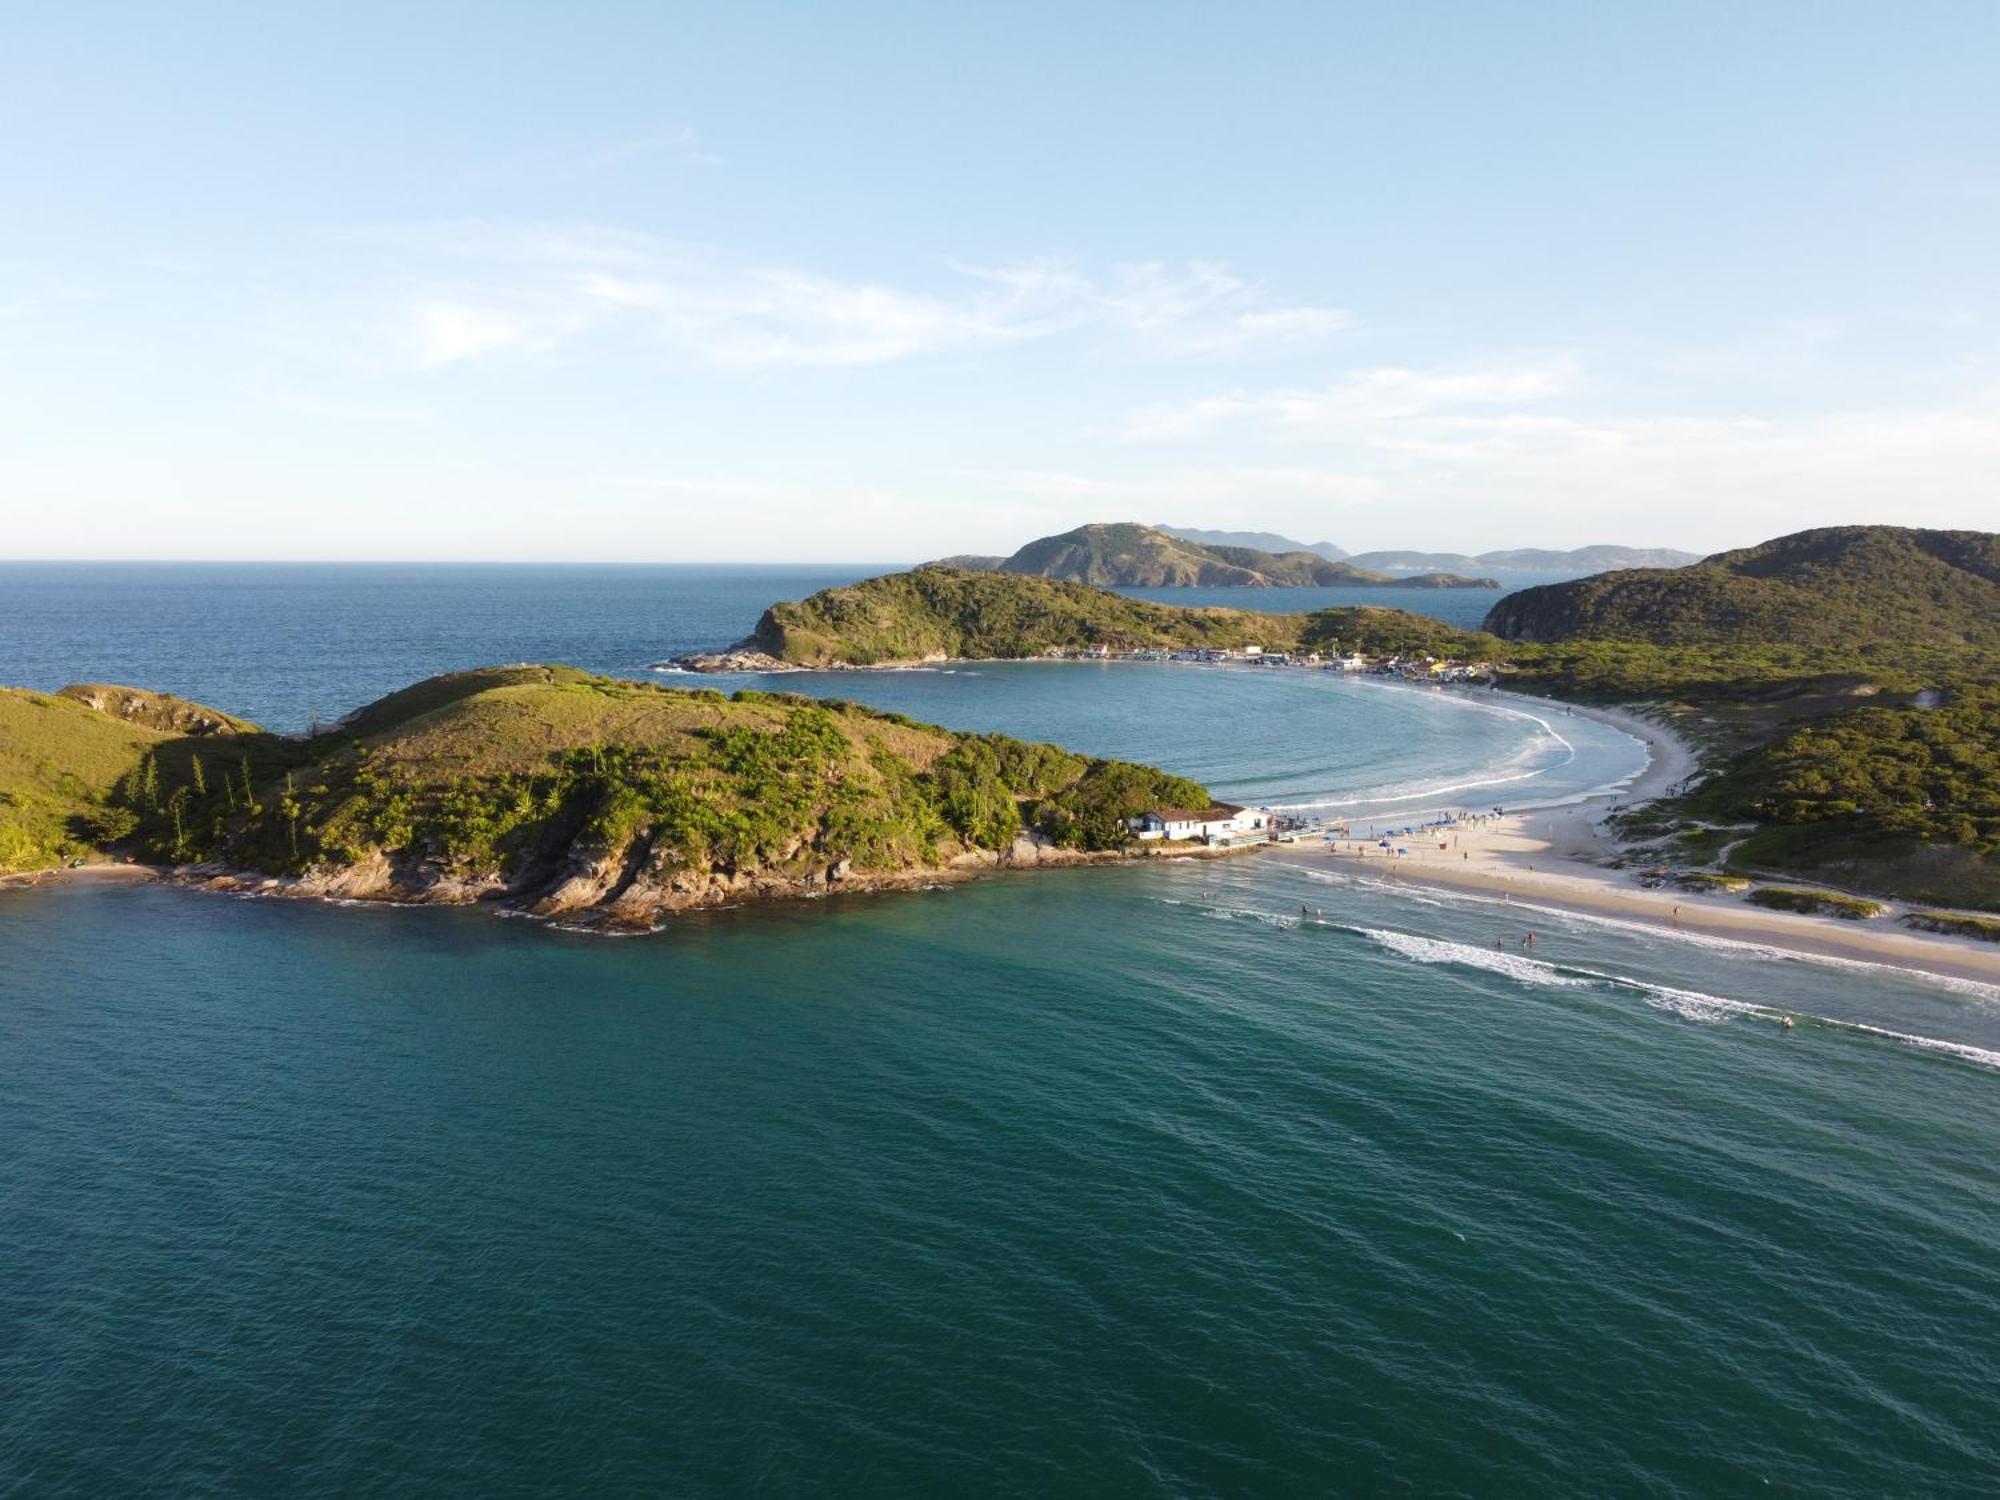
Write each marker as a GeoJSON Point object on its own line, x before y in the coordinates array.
{"type": "Point", "coordinates": [1693, 1005]}
{"type": "Point", "coordinates": [1975, 989]}
{"type": "Point", "coordinates": [1427, 950]}
{"type": "Point", "coordinates": [1405, 793]}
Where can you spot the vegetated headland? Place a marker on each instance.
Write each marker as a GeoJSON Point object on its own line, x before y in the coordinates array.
{"type": "Point", "coordinates": [1126, 553]}
{"type": "Point", "coordinates": [1842, 685]}
{"type": "Point", "coordinates": [554, 792]}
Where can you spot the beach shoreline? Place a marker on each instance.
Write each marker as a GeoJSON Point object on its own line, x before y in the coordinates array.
{"type": "Point", "coordinates": [1558, 859]}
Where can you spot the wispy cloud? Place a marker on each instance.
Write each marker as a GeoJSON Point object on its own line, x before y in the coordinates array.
{"type": "Point", "coordinates": [483, 291]}
{"type": "Point", "coordinates": [446, 332]}
{"type": "Point", "coordinates": [1509, 440]}
{"type": "Point", "coordinates": [1364, 399]}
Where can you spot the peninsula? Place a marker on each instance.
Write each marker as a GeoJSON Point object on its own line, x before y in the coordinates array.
{"type": "Point", "coordinates": [551, 791]}
{"type": "Point", "coordinates": [1842, 684]}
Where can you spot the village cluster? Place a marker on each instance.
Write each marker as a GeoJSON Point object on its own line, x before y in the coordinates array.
{"type": "Point", "coordinates": [1415, 668]}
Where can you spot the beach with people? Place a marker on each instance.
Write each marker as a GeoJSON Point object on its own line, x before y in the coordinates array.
{"type": "Point", "coordinates": [1570, 858]}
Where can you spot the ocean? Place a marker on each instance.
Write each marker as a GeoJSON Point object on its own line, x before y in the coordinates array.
{"type": "Point", "coordinates": [1175, 1179]}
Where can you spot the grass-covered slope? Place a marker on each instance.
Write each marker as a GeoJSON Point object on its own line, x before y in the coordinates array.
{"type": "Point", "coordinates": [573, 791]}
{"type": "Point", "coordinates": [1848, 680]}
{"type": "Point", "coordinates": [935, 612]}
{"type": "Point", "coordinates": [1838, 587]}
{"type": "Point", "coordinates": [1126, 554]}
{"type": "Point", "coordinates": [1873, 761]}
{"type": "Point", "coordinates": [62, 756]}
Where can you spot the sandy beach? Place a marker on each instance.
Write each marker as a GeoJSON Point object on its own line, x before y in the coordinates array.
{"type": "Point", "coordinates": [1557, 857]}
{"type": "Point", "coordinates": [97, 872]}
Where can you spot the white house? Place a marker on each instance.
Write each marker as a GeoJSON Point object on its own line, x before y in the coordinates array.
{"type": "Point", "coordinates": [1219, 820]}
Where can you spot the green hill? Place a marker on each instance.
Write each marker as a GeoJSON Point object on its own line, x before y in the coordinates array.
{"type": "Point", "coordinates": [1847, 681]}
{"type": "Point", "coordinates": [1874, 762]}
{"type": "Point", "coordinates": [563, 792]}
{"type": "Point", "coordinates": [63, 755]}
{"type": "Point", "coordinates": [1841, 586]}
{"type": "Point", "coordinates": [1129, 555]}
{"type": "Point", "coordinates": [935, 612]}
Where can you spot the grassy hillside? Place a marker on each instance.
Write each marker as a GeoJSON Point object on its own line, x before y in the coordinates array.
{"type": "Point", "coordinates": [1848, 680]}
{"type": "Point", "coordinates": [60, 759]}
{"type": "Point", "coordinates": [1129, 554]}
{"type": "Point", "coordinates": [1126, 554]}
{"type": "Point", "coordinates": [935, 611]}
{"type": "Point", "coordinates": [1838, 587]}
{"type": "Point", "coordinates": [577, 790]}
{"type": "Point", "coordinates": [941, 612]}
{"type": "Point", "coordinates": [1873, 762]}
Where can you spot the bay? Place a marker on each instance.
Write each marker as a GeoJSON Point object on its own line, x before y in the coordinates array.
{"type": "Point", "coordinates": [1139, 1180]}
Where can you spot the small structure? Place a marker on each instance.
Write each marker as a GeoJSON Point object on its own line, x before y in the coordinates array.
{"type": "Point", "coordinates": [1218, 822]}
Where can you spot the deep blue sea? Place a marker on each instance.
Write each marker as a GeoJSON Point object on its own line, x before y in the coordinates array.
{"type": "Point", "coordinates": [1117, 1181]}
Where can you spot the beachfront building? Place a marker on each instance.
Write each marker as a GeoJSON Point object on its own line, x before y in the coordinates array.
{"type": "Point", "coordinates": [1218, 822]}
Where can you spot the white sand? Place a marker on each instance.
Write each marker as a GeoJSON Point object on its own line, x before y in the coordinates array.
{"type": "Point", "coordinates": [1556, 857]}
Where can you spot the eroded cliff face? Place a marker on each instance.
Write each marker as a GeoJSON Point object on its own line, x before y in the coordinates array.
{"type": "Point", "coordinates": [161, 711]}
{"type": "Point", "coordinates": [636, 886]}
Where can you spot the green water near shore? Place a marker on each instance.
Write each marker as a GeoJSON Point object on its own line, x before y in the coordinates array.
{"type": "Point", "coordinates": [1123, 1180]}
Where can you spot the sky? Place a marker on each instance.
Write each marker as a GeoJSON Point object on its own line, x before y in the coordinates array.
{"type": "Point", "coordinates": [869, 282]}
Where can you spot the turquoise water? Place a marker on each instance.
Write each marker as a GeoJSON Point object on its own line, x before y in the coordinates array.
{"type": "Point", "coordinates": [1085, 1182]}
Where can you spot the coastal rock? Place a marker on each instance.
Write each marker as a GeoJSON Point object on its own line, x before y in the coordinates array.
{"type": "Point", "coordinates": [738, 659]}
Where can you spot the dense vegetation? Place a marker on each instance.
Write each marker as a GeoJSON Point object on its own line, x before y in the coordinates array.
{"type": "Point", "coordinates": [62, 756]}
{"type": "Point", "coordinates": [939, 612]}
{"type": "Point", "coordinates": [514, 777]}
{"type": "Point", "coordinates": [1953, 924]}
{"type": "Point", "coordinates": [1840, 588]}
{"type": "Point", "coordinates": [1847, 681]}
{"type": "Point", "coordinates": [1844, 683]}
{"type": "Point", "coordinates": [1815, 903]}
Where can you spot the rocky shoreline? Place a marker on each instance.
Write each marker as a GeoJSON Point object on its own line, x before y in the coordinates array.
{"type": "Point", "coordinates": [624, 891]}
{"type": "Point", "coordinates": [735, 659]}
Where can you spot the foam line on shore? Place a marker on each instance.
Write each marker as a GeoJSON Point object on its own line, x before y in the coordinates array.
{"type": "Point", "coordinates": [1694, 1005]}
{"type": "Point", "coordinates": [1443, 895]}
{"type": "Point", "coordinates": [1691, 1005]}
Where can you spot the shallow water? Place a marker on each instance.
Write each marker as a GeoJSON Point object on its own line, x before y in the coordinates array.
{"type": "Point", "coordinates": [1119, 1180]}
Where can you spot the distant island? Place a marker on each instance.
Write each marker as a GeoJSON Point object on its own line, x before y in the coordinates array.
{"type": "Point", "coordinates": [1843, 683]}
{"type": "Point", "coordinates": [1126, 554]}
{"type": "Point", "coordinates": [1533, 561]}
{"type": "Point", "coordinates": [554, 792]}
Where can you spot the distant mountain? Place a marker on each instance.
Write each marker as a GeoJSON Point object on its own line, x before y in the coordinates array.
{"type": "Point", "coordinates": [1260, 541]}
{"type": "Point", "coordinates": [1415, 562]}
{"type": "Point", "coordinates": [1580, 560]}
{"type": "Point", "coordinates": [1597, 559]}
{"type": "Point", "coordinates": [1847, 586]}
{"type": "Point", "coordinates": [1127, 554]}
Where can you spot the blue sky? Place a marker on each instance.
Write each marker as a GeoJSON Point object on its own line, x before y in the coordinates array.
{"type": "Point", "coordinates": [884, 282]}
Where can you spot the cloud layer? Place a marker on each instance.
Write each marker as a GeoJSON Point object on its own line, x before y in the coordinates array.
{"type": "Point", "coordinates": [478, 292]}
